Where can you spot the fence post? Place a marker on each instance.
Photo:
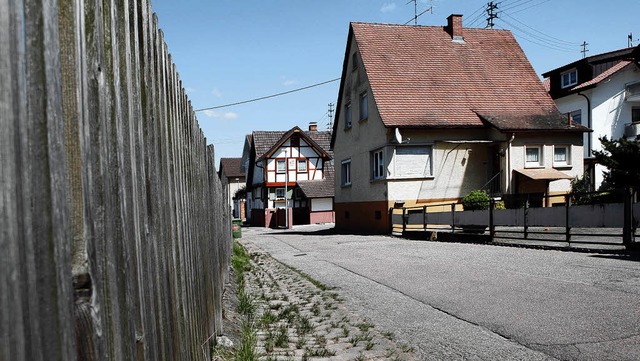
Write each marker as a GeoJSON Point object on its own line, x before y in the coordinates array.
{"type": "Point", "coordinates": [627, 231]}
{"type": "Point", "coordinates": [424, 218]}
{"type": "Point", "coordinates": [567, 206]}
{"type": "Point", "coordinates": [453, 217]}
{"type": "Point", "coordinates": [526, 210]}
{"type": "Point", "coordinates": [404, 220]}
{"type": "Point", "coordinates": [492, 228]}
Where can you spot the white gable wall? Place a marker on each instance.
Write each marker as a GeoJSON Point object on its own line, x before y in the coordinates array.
{"type": "Point", "coordinates": [609, 111]}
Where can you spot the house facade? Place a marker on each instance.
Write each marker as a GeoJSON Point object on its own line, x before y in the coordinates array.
{"type": "Point", "coordinates": [427, 114]}
{"type": "Point", "coordinates": [289, 177]}
{"type": "Point", "coordinates": [233, 178]}
{"type": "Point", "coordinates": [601, 92]}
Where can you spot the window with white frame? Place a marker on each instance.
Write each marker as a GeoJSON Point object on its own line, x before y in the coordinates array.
{"type": "Point", "coordinates": [377, 164]}
{"type": "Point", "coordinates": [569, 78]}
{"type": "Point", "coordinates": [345, 174]}
{"type": "Point", "coordinates": [561, 155]}
{"type": "Point", "coordinates": [347, 116]}
{"type": "Point", "coordinates": [281, 165]}
{"type": "Point", "coordinates": [364, 106]}
{"type": "Point", "coordinates": [413, 162]}
{"type": "Point", "coordinates": [533, 156]}
{"type": "Point", "coordinates": [279, 193]}
{"type": "Point", "coordinates": [302, 165]}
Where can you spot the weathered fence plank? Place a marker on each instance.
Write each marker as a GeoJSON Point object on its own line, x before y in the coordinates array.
{"type": "Point", "coordinates": [108, 188]}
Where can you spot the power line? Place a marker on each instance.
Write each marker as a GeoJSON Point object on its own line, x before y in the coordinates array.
{"type": "Point", "coordinates": [551, 38]}
{"type": "Point", "coordinates": [545, 42]}
{"type": "Point", "coordinates": [268, 96]}
{"type": "Point", "coordinates": [539, 42]}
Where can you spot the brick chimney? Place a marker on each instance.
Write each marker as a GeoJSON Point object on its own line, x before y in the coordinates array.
{"type": "Point", "coordinates": [454, 27]}
{"type": "Point", "coordinates": [313, 126]}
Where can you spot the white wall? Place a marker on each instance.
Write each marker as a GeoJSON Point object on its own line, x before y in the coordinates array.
{"type": "Point", "coordinates": [609, 111]}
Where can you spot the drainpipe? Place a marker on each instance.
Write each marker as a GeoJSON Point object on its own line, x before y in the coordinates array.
{"type": "Point", "coordinates": [513, 136]}
{"type": "Point", "coordinates": [588, 123]}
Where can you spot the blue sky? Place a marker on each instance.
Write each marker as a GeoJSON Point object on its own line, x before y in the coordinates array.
{"type": "Point", "coordinates": [228, 51]}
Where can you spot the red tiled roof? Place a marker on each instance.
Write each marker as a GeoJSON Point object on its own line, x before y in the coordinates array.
{"type": "Point", "coordinates": [230, 167]}
{"type": "Point", "coordinates": [604, 75]}
{"type": "Point", "coordinates": [264, 141]}
{"type": "Point", "coordinates": [420, 78]}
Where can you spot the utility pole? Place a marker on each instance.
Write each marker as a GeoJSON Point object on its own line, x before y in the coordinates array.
{"type": "Point", "coordinates": [492, 12]}
{"type": "Point", "coordinates": [584, 49]}
{"type": "Point", "coordinates": [330, 116]}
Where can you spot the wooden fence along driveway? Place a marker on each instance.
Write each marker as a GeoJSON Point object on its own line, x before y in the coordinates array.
{"type": "Point", "coordinates": [114, 234]}
{"type": "Point", "coordinates": [599, 224]}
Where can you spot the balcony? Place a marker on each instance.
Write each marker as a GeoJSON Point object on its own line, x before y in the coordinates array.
{"type": "Point", "coordinates": [631, 130]}
{"type": "Point", "coordinates": [632, 92]}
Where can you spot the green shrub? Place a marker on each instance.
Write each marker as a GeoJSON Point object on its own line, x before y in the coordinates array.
{"type": "Point", "coordinates": [476, 200]}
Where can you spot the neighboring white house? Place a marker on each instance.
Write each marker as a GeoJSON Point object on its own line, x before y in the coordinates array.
{"type": "Point", "coordinates": [601, 92]}
{"type": "Point", "coordinates": [234, 178]}
{"type": "Point", "coordinates": [427, 114]}
{"type": "Point", "coordinates": [294, 167]}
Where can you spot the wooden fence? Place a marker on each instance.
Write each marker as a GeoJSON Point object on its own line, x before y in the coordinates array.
{"type": "Point", "coordinates": [115, 234]}
{"type": "Point", "coordinates": [608, 219]}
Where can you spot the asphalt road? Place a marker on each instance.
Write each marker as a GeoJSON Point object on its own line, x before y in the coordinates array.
{"type": "Point", "coordinates": [475, 302]}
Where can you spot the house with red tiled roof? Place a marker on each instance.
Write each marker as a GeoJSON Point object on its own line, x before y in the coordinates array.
{"type": "Point", "coordinates": [601, 92]}
{"type": "Point", "coordinates": [233, 180]}
{"type": "Point", "coordinates": [289, 177]}
{"type": "Point", "coordinates": [427, 114]}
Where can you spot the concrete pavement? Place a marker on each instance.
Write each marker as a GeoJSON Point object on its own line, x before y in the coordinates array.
{"type": "Point", "coordinates": [467, 301]}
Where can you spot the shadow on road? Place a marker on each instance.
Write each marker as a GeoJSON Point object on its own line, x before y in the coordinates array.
{"type": "Point", "coordinates": [634, 257]}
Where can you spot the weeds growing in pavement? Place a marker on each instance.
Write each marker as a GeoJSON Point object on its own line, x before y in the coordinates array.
{"type": "Point", "coordinates": [364, 326]}
{"type": "Point", "coordinates": [304, 325]}
{"type": "Point", "coordinates": [246, 351]}
{"type": "Point", "coordinates": [246, 306]}
{"type": "Point", "coordinates": [268, 318]}
{"type": "Point", "coordinates": [281, 337]}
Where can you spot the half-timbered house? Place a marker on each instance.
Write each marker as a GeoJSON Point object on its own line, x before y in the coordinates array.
{"type": "Point", "coordinates": [289, 177]}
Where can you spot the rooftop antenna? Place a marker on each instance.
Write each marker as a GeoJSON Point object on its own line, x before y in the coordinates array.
{"type": "Point", "coordinates": [630, 40]}
{"type": "Point", "coordinates": [492, 13]}
{"type": "Point", "coordinates": [415, 11]}
{"type": "Point", "coordinates": [584, 49]}
{"type": "Point", "coordinates": [330, 116]}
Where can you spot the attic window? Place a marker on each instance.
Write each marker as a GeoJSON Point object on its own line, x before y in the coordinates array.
{"type": "Point", "coordinates": [569, 78]}
{"type": "Point", "coordinates": [354, 61]}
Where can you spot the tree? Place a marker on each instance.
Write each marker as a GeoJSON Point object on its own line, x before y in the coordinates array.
{"type": "Point", "coordinates": [622, 159]}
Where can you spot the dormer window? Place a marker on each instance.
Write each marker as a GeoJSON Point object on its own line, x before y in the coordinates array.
{"type": "Point", "coordinates": [569, 78]}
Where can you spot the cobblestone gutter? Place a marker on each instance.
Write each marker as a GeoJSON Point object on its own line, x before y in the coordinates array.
{"type": "Point", "coordinates": [298, 318]}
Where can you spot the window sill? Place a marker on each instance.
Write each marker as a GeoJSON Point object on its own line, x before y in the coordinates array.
{"type": "Point", "coordinates": [345, 185]}
{"type": "Point", "coordinates": [429, 177]}
{"type": "Point", "coordinates": [562, 166]}
{"type": "Point", "coordinates": [363, 120]}
{"type": "Point", "coordinates": [533, 166]}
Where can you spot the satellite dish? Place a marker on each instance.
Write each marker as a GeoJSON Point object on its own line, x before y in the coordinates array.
{"type": "Point", "coordinates": [398, 136]}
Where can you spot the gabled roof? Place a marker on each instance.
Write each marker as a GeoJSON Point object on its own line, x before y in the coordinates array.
{"type": "Point", "coordinates": [604, 75]}
{"type": "Point", "coordinates": [611, 56]}
{"type": "Point", "coordinates": [420, 78]}
{"type": "Point", "coordinates": [230, 167]}
{"type": "Point", "coordinates": [267, 142]}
